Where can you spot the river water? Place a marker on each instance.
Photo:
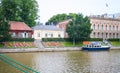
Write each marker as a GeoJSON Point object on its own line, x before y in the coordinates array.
{"type": "Point", "coordinates": [66, 62]}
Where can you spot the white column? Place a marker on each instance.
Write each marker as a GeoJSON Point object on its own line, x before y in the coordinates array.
{"type": "Point", "coordinates": [23, 35]}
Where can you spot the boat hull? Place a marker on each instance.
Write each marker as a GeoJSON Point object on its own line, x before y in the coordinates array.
{"type": "Point", "coordinates": [95, 48]}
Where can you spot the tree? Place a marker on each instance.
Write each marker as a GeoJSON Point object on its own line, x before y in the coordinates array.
{"type": "Point", "coordinates": [28, 12]}
{"type": "Point", "coordinates": [79, 28]}
{"type": "Point", "coordinates": [20, 10]}
{"type": "Point", "coordinates": [57, 18]}
{"type": "Point", "coordinates": [60, 17]}
{"type": "Point", "coordinates": [16, 10]}
{"type": "Point", "coordinates": [4, 29]}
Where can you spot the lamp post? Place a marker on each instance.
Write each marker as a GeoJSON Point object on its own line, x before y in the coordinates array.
{"type": "Point", "coordinates": [73, 33]}
{"type": "Point", "coordinates": [73, 20]}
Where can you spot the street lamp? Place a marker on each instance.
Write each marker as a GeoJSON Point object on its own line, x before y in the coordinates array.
{"type": "Point", "coordinates": [74, 30]}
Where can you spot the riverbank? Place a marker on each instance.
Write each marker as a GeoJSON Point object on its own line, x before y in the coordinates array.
{"type": "Point", "coordinates": [40, 49]}
{"type": "Point", "coordinates": [3, 50]}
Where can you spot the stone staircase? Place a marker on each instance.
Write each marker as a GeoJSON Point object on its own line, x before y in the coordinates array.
{"type": "Point", "coordinates": [39, 44]}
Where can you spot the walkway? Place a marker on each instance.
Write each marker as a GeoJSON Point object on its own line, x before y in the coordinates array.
{"type": "Point", "coordinates": [39, 44]}
{"type": "Point", "coordinates": [3, 50]}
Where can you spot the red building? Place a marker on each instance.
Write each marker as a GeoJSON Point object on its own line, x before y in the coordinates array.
{"type": "Point", "coordinates": [63, 25]}
{"type": "Point", "coordinates": [20, 30]}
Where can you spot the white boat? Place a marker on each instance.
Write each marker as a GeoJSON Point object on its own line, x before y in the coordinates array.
{"type": "Point", "coordinates": [95, 46]}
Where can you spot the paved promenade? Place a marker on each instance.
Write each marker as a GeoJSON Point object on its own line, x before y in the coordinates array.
{"type": "Point", "coordinates": [3, 50]}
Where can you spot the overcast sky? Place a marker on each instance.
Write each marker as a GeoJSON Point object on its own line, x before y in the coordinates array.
{"type": "Point", "coordinates": [48, 8]}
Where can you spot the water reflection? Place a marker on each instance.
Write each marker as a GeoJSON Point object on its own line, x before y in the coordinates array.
{"type": "Point", "coordinates": [104, 62]}
{"type": "Point", "coordinates": [67, 62]}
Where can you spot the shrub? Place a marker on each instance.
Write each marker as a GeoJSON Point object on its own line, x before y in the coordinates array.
{"type": "Point", "coordinates": [22, 39]}
{"type": "Point", "coordinates": [114, 39]}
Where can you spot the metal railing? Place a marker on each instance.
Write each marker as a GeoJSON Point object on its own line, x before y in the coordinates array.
{"type": "Point", "coordinates": [17, 65]}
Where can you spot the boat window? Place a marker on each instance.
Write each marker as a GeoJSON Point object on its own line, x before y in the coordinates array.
{"type": "Point", "coordinates": [87, 45]}
{"type": "Point", "coordinates": [90, 45]}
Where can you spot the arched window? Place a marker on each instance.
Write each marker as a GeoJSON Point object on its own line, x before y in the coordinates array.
{"type": "Point", "coordinates": [113, 35]}
{"type": "Point", "coordinates": [94, 34]}
{"type": "Point", "coordinates": [102, 27]}
{"type": "Point", "coordinates": [113, 28]}
{"type": "Point", "coordinates": [106, 27]}
{"type": "Point", "coordinates": [117, 28]}
{"type": "Point", "coordinates": [102, 35]}
{"type": "Point", "coordinates": [110, 27]}
{"type": "Point", "coordinates": [117, 35]}
{"type": "Point", "coordinates": [94, 26]}
{"type": "Point", "coordinates": [98, 35]}
{"type": "Point", "coordinates": [109, 35]}
{"type": "Point", "coordinates": [98, 27]}
{"type": "Point", "coordinates": [106, 35]}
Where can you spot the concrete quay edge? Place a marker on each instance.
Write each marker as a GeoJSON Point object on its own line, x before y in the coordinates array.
{"type": "Point", "coordinates": [55, 49]}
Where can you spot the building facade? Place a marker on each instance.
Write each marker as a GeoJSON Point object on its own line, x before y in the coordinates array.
{"type": "Point", "coordinates": [47, 31]}
{"type": "Point", "coordinates": [20, 30]}
{"type": "Point", "coordinates": [105, 27]}
{"type": "Point", "coordinates": [63, 25]}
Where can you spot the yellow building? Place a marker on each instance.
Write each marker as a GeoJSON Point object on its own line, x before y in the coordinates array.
{"type": "Point", "coordinates": [47, 31]}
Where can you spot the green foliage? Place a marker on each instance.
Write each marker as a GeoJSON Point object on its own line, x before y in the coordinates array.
{"type": "Point", "coordinates": [4, 29]}
{"type": "Point", "coordinates": [114, 39]}
{"type": "Point", "coordinates": [79, 28]}
{"type": "Point", "coordinates": [95, 39]}
{"type": "Point", "coordinates": [20, 10]}
{"type": "Point", "coordinates": [22, 39]}
{"type": "Point", "coordinates": [57, 18]}
{"type": "Point", "coordinates": [70, 44]}
{"type": "Point", "coordinates": [56, 39]}
{"type": "Point", "coordinates": [61, 17]}
{"type": "Point", "coordinates": [28, 12]}
{"type": "Point", "coordinates": [1, 45]}
{"type": "Point", "coordinates": [115, 43]}
{"type": "Point", "coordinates": [16, 10]}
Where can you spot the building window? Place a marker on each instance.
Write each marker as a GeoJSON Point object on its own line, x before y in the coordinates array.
{"type": "Point", "coordinates": [102, 27]}
{"type": "Point", "coordinates": [46, 35]}
{"type": "Point", "coordinates": [110, 27]}
{"type": "Point", "coordinates": [94, 35]}
{"type": "Point", "coordinates": [38, 34]}
{"type": "Point", "coordinates": [109, 35]}
{"type": "Point", "coordinates": [98, 27]}
{"type": "Point", "coordinates": [117, 35]}
{"type": "Point", "coordinates": [113, 28]}
{"type": "Point", "coordinates": [117, 28]}
{"type": "Point", "coordinates": [106, 27]}
{"type": "Point", "coordinates": [20, 34]}
{"type": "Point", "coordinates": [106, 35]}
{"type": "Point", "coordinates": [51, 35]}
{"type": "Point", "coordinates": [13, 34]}
{"type": "Point", "coordinates": [94, 26]}
{"type": "Point", "coordinates": [102, 35]}
{"type": "Point", "coordinates": [59, 36]}
{"type": "Point", "coordinates": [113, 35]}
{"type": "Point", "coordinates": [98, 35]}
